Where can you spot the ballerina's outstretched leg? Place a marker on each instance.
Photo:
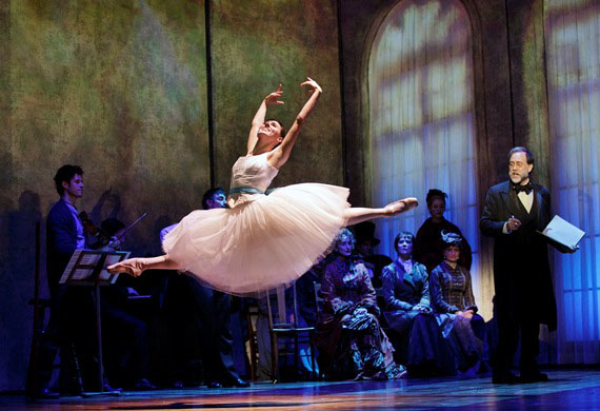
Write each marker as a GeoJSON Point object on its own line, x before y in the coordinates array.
{"type": "Point", "coordinates": [357, 215]}
{"type": "Point", "coordinates": [136, 266]}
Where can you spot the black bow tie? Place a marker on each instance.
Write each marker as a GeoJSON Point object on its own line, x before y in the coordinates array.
{"type": "Point", "coordinates": [523, 188]}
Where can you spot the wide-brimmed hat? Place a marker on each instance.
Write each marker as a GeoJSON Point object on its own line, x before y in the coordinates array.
{"type": "Point", "coordinates": [365, 231]}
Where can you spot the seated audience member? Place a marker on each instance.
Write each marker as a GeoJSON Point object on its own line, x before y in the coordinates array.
{"type": "Point", "coordinates": [365, 242]}
{"type": "Point", "coordinates": [409, 314]}
{"type": "Point", "coordinates": [310, 305]}
{"type": "Point", "coordinates": [350, 341]}
{"type": "Point", "coordinates": [453, 299]}
{"type": "Point", "coordinates": [427, 244]}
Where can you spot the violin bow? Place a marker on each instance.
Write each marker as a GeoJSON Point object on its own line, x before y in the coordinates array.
{"type": "Point", "coordinates": [130, 226]}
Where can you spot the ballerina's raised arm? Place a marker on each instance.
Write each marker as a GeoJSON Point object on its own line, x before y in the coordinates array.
{"type": "Point", "coordinates": [259, 118]}
{"type": "Point", "coordinates": [269, 136]}
{"type": "Point", "coordinates": [281, 154]}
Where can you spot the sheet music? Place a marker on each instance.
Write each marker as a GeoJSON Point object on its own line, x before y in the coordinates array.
{"type": "Point", "coordinates": [65, 275]}
{"type": "Point", "coordinates": [563, 232]}
{"type": "Point", "coordinates": [81, 270]}
{"type": "Point", "coordinates": [113, 259]}
{"type": "Point", "coordinates": [110, 260]}
{"type": "Point", "coordinates": [81, 274]}
{"type": "Point", "coordinates": [90, 259]}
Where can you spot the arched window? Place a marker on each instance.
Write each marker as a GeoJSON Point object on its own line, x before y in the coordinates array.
{"type": "Point", "coordinates": [421, 123]}
{"type": "Point", "coordinates": [572, 42]}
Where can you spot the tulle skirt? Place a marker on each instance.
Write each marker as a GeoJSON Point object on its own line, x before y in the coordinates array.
{"type": "Point", "coordinates": [264, 241]}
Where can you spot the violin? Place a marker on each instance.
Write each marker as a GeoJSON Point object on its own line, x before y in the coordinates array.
{"type": "Point", "coordinates": [102, 238]}
{"type": "Point", "coordinates": [92, 230]}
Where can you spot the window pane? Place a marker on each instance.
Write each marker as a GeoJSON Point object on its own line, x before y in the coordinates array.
{"type": "Point", "coordinates": [422, 119]}
{"type": "Point", "coordinates": [572, 43]}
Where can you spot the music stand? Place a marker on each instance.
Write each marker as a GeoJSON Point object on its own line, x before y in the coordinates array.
{"type": "Point", "coordinates": [88, 268]}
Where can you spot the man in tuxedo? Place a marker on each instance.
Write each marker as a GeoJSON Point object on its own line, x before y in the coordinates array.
{"type": "Point", "coordinates": [213, 310]}
{"type": "Point", "coordinates": [513, 212]}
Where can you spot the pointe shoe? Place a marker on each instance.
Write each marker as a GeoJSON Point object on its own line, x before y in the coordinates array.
{"type": "Point", "coordinates": [401, 206]}
{"type": "Point", "coordinates": [131, 266]}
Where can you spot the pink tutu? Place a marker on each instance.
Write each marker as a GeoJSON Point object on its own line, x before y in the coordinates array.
{"type": "Point", "coordinates": [264, 241]}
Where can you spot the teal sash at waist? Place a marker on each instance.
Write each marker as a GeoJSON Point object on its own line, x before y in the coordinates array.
{"type": "Point", "coordinates": [245, 190]}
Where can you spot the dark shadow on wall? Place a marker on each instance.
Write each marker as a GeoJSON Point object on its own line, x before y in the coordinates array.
{"type": "Point", "coordinates": [17, 271]}
{"type": "Point", "coordinates": [160, 223]}
{"type": "Point", "coordinates": [107, 206]}
{"type": "Point", "coordinates": [17, 274]}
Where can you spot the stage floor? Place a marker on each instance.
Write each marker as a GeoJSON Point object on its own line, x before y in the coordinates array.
{"type": "Point", "coordinates": [574, 389]}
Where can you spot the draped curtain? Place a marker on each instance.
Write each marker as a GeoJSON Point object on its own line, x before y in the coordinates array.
{"type": "Point", "coordinates": [421, 125]}
{"type": "Point", "coordinates": [572, 43]}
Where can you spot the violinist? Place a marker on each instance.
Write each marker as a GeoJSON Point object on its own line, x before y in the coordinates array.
{"type": "Point", "coordinates": [65, 232]}
{"type": "Point", "coordinates": [72, 308]}
{"type": "Point", "coordinates": [64, 235]}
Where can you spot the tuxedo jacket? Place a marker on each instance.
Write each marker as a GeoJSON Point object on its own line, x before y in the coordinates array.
{"type": "Point", "coordinates": [521, 271]}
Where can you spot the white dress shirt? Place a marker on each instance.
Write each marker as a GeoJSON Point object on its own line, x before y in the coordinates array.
{"type": "Point", "coordinates": [527, 200]}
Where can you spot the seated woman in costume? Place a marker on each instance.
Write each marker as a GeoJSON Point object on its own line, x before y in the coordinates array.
{"type": "Point", "coordinates": [350, 341]}
{"type": "Point", "coordinates": [417, 335]}
{"type": "Point", "coordinates": [453, 300]}
{"type": "Point", "coordinates": [427, 244]}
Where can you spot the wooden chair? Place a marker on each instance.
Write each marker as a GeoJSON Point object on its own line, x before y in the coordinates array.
{"type": "Point", "coordinates": [319, 302]}
{"type": "Point", "coordinates": [252, 314]}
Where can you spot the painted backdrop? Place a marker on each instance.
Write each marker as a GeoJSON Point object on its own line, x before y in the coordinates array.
{"type": "Point", "coordinates": [121, 89]}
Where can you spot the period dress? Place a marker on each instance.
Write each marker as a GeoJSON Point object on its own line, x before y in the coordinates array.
{"type": "Point", "coordinates": [451, 292]}
{"type": "Point", "coordinates": [418, 336]}
{"type": "Point", "coordinates": [261, 241]}
{"type": "Point", "coordinates": [428, 248]}
{"type": "Point", "coordinates": [351, 343]}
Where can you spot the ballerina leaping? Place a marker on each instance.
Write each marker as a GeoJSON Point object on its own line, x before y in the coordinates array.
{"type": "Point", "coordinates": [262, 241]}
